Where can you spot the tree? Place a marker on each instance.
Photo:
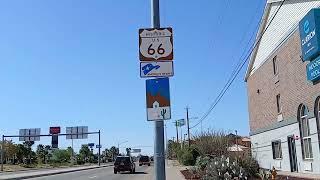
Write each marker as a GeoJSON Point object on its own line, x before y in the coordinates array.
{"type": "Point", "coordinates": [10, 150]}
{"type": "Point", "coordinates": [30, 153]}
{"type": "Point", "coordinates": [61, 156]}
{"type": "Point", "coordinates": [22, 152]}
{"type": "Point", "coordinates": [114, 152]}
{"type": "Point", "coordinates": [40, 154]}
{"type": "Point", "coordinates": [85, 154]}
{"type": "Point", "coordinates": [47, 148]}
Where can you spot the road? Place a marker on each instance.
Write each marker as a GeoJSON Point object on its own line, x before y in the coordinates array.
{"type": "Point", "coordinates": [142, 173]}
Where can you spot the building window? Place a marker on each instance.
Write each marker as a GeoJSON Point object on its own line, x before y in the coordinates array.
{"type": "Point", "coordinates": [275, 65]}
{"type": "Point", "coordinates": [317, 114]}
{"type": "Point", "coordinates": [305, 132]}
{"type": "Point", "coordinates": [276, 150]}
{"type": "Point", "coordinates": [279, 108]}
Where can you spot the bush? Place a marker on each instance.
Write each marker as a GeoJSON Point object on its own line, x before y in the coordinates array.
{"type": "Point", "coordinates": [187, 156]}
{"type": "Point", "coordinates": [224, 168]}
{"type": "Point", "coordinates": [250, 165]}
{"type": "Point", "coordinates": [188, 159]}
{"type": "Point", "coordinates": [212, 142]}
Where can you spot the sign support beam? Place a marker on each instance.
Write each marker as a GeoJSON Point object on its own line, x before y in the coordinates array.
{"type": "Point", "coordinates": [2, 149]}
{"type": "Point", "coordinates": [159, 157]}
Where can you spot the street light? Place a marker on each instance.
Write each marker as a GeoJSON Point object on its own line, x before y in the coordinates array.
{"type": "Point", "coordinates": [120, 144]}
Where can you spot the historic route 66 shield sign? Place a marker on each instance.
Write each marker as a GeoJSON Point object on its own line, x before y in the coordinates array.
{"type": "Point", "coordinates": [155, 44]}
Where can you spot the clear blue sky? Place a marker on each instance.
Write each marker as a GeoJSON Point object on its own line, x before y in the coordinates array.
{"type": "Point", "coordinates": [75, 62]}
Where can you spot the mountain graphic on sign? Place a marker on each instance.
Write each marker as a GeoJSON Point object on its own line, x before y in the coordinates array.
{"type": "Point", "coordinates": [163, 102]}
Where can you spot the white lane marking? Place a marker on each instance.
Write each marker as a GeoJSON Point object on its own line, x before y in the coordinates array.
{"type": "Point", "coordinates": [91, 177]}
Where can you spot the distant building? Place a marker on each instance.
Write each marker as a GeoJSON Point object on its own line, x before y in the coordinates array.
{"type": "Point", "coordinates": [283, 94]}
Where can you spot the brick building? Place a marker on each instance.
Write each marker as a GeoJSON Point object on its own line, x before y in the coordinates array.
{"type": "Point", "coordinates": [284, 105]}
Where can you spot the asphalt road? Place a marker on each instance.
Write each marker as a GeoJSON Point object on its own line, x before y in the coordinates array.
{"type": "Point", "coordinates": [142, 173]}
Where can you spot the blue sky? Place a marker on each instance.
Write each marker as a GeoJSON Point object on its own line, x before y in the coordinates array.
{"type": "Point", "coordinates": [75, 62]}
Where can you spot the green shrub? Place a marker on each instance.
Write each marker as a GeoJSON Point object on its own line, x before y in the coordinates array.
{"type": "Point", "coordinates": [225, 168]}
{"type": "Point", "coordinates": [188, 159]}
{"type": "Point", "coordinates": [250, 165]}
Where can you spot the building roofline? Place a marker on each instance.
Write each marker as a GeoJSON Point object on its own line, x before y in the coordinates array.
{"type": "Point", "coordinates": [262, 27]}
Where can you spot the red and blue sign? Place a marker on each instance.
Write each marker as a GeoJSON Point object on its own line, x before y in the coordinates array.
{"type": "Point", "coordinates": [309, 28]}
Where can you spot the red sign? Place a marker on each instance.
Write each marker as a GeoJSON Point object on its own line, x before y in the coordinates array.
{"type": "Point", "coordinates": [54, 130]}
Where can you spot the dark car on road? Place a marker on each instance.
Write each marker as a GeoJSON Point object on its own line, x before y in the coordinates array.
{"type": "Point", "coordinates": [144, 160]}
{"type": "Point", "coordinates": [124, 163]}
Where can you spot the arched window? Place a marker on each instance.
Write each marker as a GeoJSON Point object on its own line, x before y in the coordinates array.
{"type": "Point", "coordinates": [305, 132]}
{"type": "Point", "coordinates": [317, 114]}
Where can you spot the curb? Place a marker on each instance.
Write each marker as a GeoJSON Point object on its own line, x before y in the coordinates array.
{"type": "Point", "coordinates": [55, 173]}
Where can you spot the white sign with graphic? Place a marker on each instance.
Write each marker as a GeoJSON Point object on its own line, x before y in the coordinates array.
{"type": "Point", "coordinates": [156, 69]}
{"type": "Point", "coordinates": [155, 44]}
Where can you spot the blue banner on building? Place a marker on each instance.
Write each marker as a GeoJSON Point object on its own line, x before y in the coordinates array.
{"type": "Point", "coordinates": [313, 70]}
{"type": "Point", "coordinates": [309, 28]}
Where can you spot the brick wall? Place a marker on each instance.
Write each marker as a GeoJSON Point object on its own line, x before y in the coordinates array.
{"type": "Point", "coordinates": [292, 86]}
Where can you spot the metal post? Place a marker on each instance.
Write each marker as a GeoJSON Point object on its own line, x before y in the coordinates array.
{"type": "Point", "coordinates": [2, 149]}
{"type": "Point", "coordinates": [118, 149]}
{"type": "Point", "coordinates": [99, 150]}
{"type": "Point", "coordinates": [181, 142]}
{"type": "Point", "coordinates": [72, 155]}
{"type": "Point", "coordinates": [160, 171]}
{"type": "Point", "coordinates": [177, 131]}
{"type": "Point", "coordinates": [237, 145]}
{"type": "Point", "coordinates": [188, 126]}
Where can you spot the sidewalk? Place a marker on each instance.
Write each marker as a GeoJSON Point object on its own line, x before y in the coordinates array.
{"type": "Point", "coordinates": [173, 170]}
{"type": "Point", "coordinates": [33, 174]}
{"type": "Point", "coordinates": [293, 176]}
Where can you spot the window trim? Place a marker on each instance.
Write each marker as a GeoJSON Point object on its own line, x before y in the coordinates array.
{"type": "Point", "coordinates": [302, 118]}
{"type": "Point", "coordinates": [310, 152]}
{"type": "Point", "coordinates": [275, 65]}
{"type": "Point", "coordinates": [317, 115]}
{"type": "Point", "coordinates": [280, 149]}
{"type": "Point", "coordinates": [279, 106]}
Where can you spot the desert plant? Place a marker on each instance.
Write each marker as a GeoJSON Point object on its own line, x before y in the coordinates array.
{"type": "Point", "coordinates": [211, 142]}
{"type": "Point", "coordinates": [264, 175]}
{"type": "Point", "coordinates": [219, 168]}
{"type": "Point", "coordinates": [250, 165]}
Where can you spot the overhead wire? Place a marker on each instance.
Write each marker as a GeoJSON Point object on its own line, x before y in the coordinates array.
{"type": "Point", "coordinates": [237, 71]}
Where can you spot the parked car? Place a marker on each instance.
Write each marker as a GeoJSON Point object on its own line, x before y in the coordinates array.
{"type": "Point", "coordinates": [124, 163]}
{"type": "Point", "coordinates": [144, 160]}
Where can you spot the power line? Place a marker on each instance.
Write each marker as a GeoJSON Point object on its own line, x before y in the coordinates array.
{"type": "Point", "coordinates": [237, 70]}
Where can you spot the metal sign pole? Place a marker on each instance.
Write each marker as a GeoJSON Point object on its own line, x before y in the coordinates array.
{"type": "Point", "coordinates": [160, 171]}
{"type": "Point", "coordinates": [72, 158]}
{"type": "Point", "coordinates": [99, 160]}
{"type": "Point", "coordinates": [2, 149]}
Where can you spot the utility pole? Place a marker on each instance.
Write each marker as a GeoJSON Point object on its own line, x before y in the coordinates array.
{"type": "Point", "coordinates": [176, 123]}
{"type": "Point", "coordinates": [237, 144]}
{"type": "Point", "coordinates": [72, 154]}
{"type": "Point", "coordinates": [2, 149]}
{"type": "Point", "coordinates": [159, 164]}
{"type": "Point", "coordinates": [188, 124]}
{"type": "Point", "coordinates": [99, 160]}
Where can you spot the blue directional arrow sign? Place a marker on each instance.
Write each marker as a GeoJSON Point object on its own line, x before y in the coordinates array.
{"type": "Point", "coordinates": [158, 99]}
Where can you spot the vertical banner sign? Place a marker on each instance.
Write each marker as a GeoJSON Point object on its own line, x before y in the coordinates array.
{"type": "Point", "coordinates": [155, 44]}
{"type": "Point", "coordinates": [158, 99]}
{"type": "Point", "coordinates": [55, 141]}
{"type": "Point", "coordinates": [55, 138]}
{"type": "Point", "coordinates": [309, 28]}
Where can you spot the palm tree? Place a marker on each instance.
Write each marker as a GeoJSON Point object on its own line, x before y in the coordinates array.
{"type": "Point", "coordinates": [114, 152]}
